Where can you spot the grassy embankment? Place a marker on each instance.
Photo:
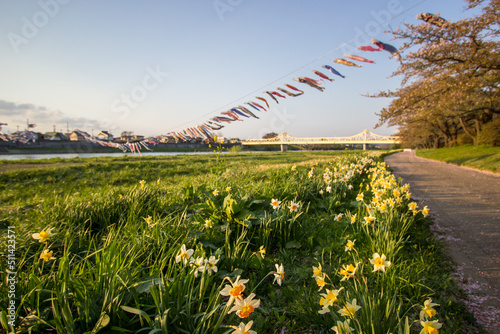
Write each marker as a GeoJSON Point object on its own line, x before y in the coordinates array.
{"type": "Point", "coordinates": [115, 244]}
{"type": "Point", "coordinates": [480, 157]}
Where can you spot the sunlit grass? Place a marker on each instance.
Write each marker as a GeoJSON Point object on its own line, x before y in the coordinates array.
{"type": "Point", "coordinates": [480, 157]}
{"type": "Point", "coordinates": [147, 245]}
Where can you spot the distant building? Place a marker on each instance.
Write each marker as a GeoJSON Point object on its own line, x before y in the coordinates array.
{"type": "Point", "coordinates": [78, 136]}
{"type": "Point", "coordinates": [54, 136]}
{"type": "Point", "coordinates": [129, 138]}
{"type": "Point", "coordinates": [105, 136]}
{"type": "Point", "coordinates": [137, 138]}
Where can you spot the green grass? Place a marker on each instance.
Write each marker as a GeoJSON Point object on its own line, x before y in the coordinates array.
{"type": "Point", "coordinates": [480, 157]}
{"type": "Point", "coordinates": [115, 245]}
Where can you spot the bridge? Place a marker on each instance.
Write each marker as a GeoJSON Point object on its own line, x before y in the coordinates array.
{"type": "Point", "coordinates": [364, 137]}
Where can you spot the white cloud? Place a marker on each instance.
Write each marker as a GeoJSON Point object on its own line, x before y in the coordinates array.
{"type": "Point", "coordinates": [17, 115]}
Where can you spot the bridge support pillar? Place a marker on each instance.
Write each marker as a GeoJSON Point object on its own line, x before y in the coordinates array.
{"type": "Point", "coordinates": [364, 146]}
{"type": "Point", "coordinates": [284, 147]}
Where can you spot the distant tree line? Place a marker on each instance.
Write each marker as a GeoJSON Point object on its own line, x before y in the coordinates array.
{"type": "Point", "coordinates": [450, 89]}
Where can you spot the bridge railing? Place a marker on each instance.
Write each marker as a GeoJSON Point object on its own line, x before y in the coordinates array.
{"type": "Point", "coordinates": [364, 137]}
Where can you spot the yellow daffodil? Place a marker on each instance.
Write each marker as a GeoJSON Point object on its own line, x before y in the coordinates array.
{"type": "Point", "coordinates": [262, 251]}
{"type": "Point", "coordinates": [425, 211]}
{"type": "Point", "coordinates": [228, 189]}
{"type": "Point", "coordinates": [349, 309]}
{"type": "Point", "coordinates": [348, 271]}
{"type": "Point", "coordinates": [275, 204]}
{"type": "Point", "coordinates": [428, 311]}
{"type": "Point", "coordinates": [382, 208]}
{"type": "Point", "coordinates": [327, 300]}
{"type": "Point", "coordinates": [343, 327]}
{"type": "Point", "coordinates": [317, 271]}
{"type": "Point", "coordinates": [243, 329]}
{"type": "Point", "coordinates": [396, 193]}
{"type": "Point", "coordinates": [413, 206]}
{"type": "Point", "coordinates": [245, 307]}
{"type": "Point", "coordinates": [360, 197]}
{"type": "Point", "coordinates": [215, 192]}
{"type": "Point", "coordinates": [379, 262]}
{"type": "Point", "coordinates": [47, 255]}
{"type": "Point", "coordinates": [149, 221]}
{"type": "Point", "coordinates": [369, 220]}
{"type": "Point", "coordinates": [320, 281]}
{"type": "Point", "coordinates": [430, 327]}
{"type": "Point", "coordinates": [350, 245]}
{"type": "Point", "coordinates": [235, 289]}
{"type": "Point", "coordinates": [143, 184]}
{"type": "Point", "coordinates": [158, 181]}
{"type": "Point", "coordinates": [294, 167]}
{"type": "Point", "coordinates": [279, 274]}
{"type": "Point", "coordinates": [43, 235]}
{"type": "Point", "coordinates": [184, 255]}
{"type": "Point", "coordinates": [353, 218]}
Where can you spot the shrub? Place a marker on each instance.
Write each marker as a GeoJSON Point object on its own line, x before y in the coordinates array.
{"type": "Point", "coordinates": [464, 139]}
{"type": "Point", "coordinates": [490, 133]}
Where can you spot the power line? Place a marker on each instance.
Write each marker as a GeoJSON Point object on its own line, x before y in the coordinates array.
{"type": "Point", "coordinates": [299, 68]}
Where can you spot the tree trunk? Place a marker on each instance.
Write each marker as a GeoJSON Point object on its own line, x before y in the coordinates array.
{"type": "Point", "coordinates": [464, 127]}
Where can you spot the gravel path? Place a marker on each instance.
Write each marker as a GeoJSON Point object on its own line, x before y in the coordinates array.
{"type": "Point", "coordinates": [465, 206]}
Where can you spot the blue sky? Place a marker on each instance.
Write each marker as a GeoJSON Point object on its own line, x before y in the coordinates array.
{"type": "Point", "coordinates": [158, 66]}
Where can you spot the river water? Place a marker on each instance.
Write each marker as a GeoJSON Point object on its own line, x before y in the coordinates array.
{"type": "Point", "coordinates": [91, 155]}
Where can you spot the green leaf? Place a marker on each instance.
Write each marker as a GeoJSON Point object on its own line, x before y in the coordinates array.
{"type": "Point", "coordinates": [292, 244]}
{"type": "Point", "coordinates": [144, 286]}
{"type": "Point", "coordinates": [101, 323]}
{"type": "Point", "coordinates": [138, 312]}
{"type": "Point", "coordinates": [3, 320]}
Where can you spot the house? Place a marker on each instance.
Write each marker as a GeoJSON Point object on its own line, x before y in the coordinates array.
{"type": "Point", "coordinates": [54, 136]}
{"type": "Point", "coordinates": [105, 136]}
{"type": "Point", "coordinates": [78, 136]}
{"type": "Point", "coordinates": [137, 138]}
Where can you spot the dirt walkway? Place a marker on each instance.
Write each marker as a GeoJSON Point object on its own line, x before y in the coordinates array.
{"type": "Point", "coordinates": [465, 206]}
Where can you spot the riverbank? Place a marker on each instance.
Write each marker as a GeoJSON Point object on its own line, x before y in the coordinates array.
{"type": "Point", "coordinates": [480, 157]}
{"type": "Point", "coordinates": [117, 224]}
{"type": "Point", "coordinates": [87, 147]}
